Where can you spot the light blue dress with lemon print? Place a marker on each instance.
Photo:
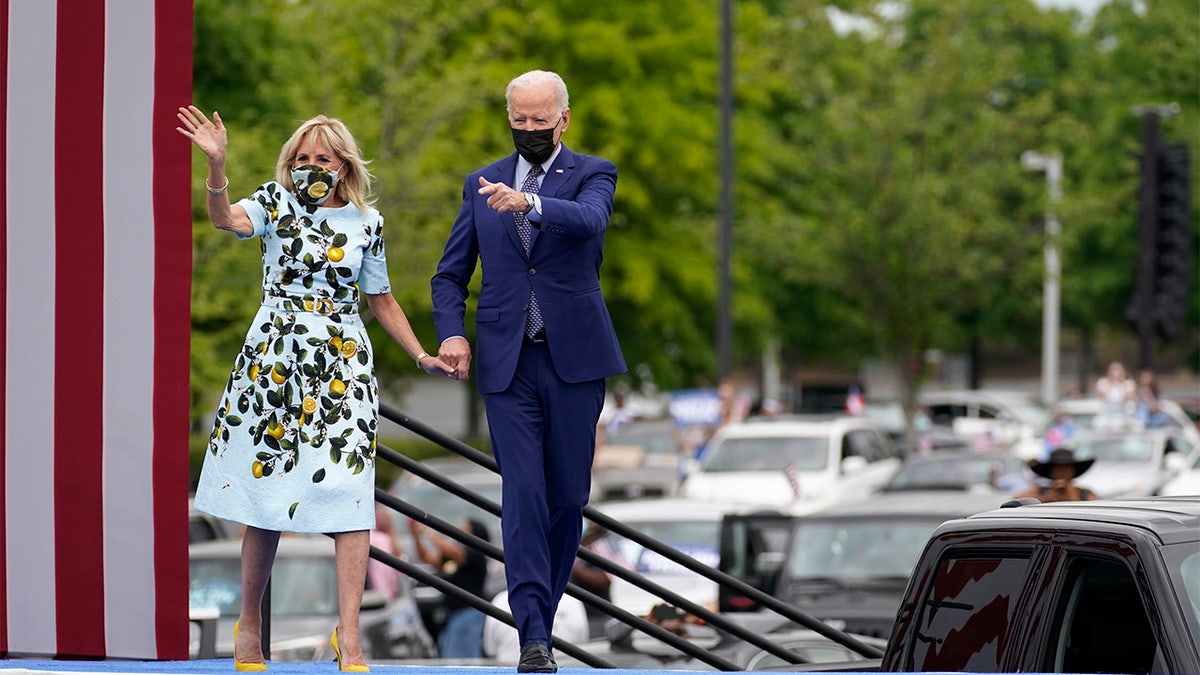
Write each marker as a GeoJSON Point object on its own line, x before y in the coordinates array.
{"type": "Point", "coordinates": [293, 444]}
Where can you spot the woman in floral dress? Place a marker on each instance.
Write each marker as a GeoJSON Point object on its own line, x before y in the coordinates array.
{"type": "Point", "coordinates": [293, 444]}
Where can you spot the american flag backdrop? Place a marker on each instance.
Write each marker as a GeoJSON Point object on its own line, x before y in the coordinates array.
{"type": "Point", "coordinates": [95, 268]}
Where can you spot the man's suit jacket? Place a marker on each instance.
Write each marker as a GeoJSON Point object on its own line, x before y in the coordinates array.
{"type": "Point", "coordinates": [563, 268]}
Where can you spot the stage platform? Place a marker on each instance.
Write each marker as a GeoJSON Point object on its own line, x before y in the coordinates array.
{"type": "Point", "coordinates": [225, 667]}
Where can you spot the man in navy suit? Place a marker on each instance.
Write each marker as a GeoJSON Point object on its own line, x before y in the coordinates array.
{"type": "Point", "coordinates": [535, 222]}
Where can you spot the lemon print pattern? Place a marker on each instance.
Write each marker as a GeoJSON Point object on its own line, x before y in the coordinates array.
{"type": "Point", "coordinates": [293, 443]}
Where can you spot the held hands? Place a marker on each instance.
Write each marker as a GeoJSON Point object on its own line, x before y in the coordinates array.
{"type": "Point", "coordinates": [436, 366]}
{"type": "Point", "coordinates": [210, 137]}
{"type": "Point", "coordinates": [502, 198]}
{"type": "Point", "coordinates": [457, 353]}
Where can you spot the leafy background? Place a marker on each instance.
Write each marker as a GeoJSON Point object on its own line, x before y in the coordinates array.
{"type": "Point", "coordinates": [881, 209]}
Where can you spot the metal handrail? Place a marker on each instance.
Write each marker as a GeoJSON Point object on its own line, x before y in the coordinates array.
{"type": "Point", "coordinates": [763, 599]}
{"type": "Point", "coordinates": [496, 553]}
{"type": "Point", "coordinates": [713, 619]}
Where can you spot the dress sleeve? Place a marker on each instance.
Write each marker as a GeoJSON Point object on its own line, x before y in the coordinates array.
{"type": "Point", "coordinates": [373, 277]}
{"type": "Point", "coordinates": [262, 207]}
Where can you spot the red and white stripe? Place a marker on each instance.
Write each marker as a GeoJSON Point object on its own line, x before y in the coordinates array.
{"type": "Point", "coordinates": [95, 267]}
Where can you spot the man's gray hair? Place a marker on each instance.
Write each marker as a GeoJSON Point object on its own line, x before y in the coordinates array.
{"type": "Point", "coordinates": [539, 78]}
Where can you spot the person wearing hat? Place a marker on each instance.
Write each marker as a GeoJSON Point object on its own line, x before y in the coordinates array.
{"type": "Point", "coordinates": [1061, 468]}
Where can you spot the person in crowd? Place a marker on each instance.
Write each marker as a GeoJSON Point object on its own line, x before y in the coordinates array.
{"type": "Point", "coordinates": [613, 418]}
{"type": "Point", "coordinates": [1061, 428]}
{"type": "Point", "coordinates": [1149, 411]}
{"type": "Point", "coordinates": [1117, 389]}
{"type": "Point", "coordinates": [383, 577]}
{"type": "Point", "coordinates": [293, 444]}
{"type": "Point", "coordinates": [594, 578]}
{"type": "Point", "coordinates": [535, 222]}
{"type": "Point", "coordinates": [461, 635]}
{"type": "Point", "coordinates": [1060, 469]}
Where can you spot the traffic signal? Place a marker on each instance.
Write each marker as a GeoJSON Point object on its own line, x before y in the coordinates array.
{"type": "Point", "coordinates": [1173, 245]}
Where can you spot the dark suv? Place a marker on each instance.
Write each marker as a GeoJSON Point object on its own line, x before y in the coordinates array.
{"type": "Point", "coordinates": [1075, 587]}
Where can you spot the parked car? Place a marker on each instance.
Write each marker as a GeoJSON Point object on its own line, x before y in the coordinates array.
{"type": "Point", "coordinates": [848, 565]}
{"type": "Point", "coordinates": [1065, 587]}
{"type": "Point", "coordinates": [304, 608]}
{"type": "Point", "coordinates": [1129, 464]}
{"type": "Point", "coordinates": [802, 462]}
{"type": "Point", "coordinates": [206, 527]}
{"type": "Point", "coordinates": [998, 470]}
{"type": "Point", "coordinates": [1013, 419]}
{"type": "Point", "coordinates": [689, 526]}
{"type": "Point", "coordinates": [1090, 413]}
{"type": "Point", "coordinates": [929, 436]}
{"type": "Point", "coordinates": [641, 460]}
{"type": "Point", "coordinates": [1187, 481]}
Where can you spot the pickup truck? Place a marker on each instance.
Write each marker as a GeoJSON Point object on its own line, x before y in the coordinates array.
{"type": "Point", "coordinates": [1069, 587]}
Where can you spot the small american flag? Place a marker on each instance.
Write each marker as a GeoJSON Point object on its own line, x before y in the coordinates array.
{"type": "Point", "coordinates": [793, 479]}
{"type": "Point", "coordinates": [856, 403]}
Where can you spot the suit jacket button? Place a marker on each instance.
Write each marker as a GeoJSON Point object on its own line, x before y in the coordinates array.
{"type": "Point", "coordinates": [532, 271]}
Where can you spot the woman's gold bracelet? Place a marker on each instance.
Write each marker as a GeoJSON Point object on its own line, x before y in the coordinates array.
{"type": "Point", "coordinates": [216, 191]}
{"type": "Point", "coordinates": [419, 357]}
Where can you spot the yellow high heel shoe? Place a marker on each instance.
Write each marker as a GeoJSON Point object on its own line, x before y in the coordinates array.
{"type": "Point", "coordinates": [338, 652]}
{"type": "Point", "coordinates": [244, 667]}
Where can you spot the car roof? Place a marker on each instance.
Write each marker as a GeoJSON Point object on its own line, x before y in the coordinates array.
{"type": "Point", "coordinates": [1173, 519]}
{"type": "Point", "coordinates": [291, 545]}
{"type": "Point", "coordinates": [676, 508]}
{"type": "Point", "coordinates": [947, 503]}
{"type": "Point", "coordinates": [796, 425]}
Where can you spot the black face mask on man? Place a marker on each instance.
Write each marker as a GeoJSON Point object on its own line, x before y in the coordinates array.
{"type": "Point", "coordinates": [535, 146]}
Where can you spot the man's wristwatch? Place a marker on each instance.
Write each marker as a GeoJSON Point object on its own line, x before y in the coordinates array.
{"type": "Point", "coordinates": [529, 201]}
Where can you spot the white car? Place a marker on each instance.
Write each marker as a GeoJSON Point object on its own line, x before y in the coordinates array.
{"type": "Point", "coordinates": [1089, 412]}
{"type": "Point", "coordinates": [1012, 419]}
{"type": "Point", "coordinates": [691, 527]}
{"type": "Point", "coordinates": [801, 462]}
{"type": "Point", "coordinates": [1129, 465]}
{"type": "Point", "coordinates": [1187, 481]}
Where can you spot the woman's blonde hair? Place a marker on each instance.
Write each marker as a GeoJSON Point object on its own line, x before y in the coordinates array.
{"type": "Point", "coordinates": [354, 181]}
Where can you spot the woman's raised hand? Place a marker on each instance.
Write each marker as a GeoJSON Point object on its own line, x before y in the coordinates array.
{"type": "Point", "coordinates": [209, 136]}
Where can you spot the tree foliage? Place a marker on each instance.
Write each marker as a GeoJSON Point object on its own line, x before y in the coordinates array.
{"type": "Point", "coordinates": [881, 208]}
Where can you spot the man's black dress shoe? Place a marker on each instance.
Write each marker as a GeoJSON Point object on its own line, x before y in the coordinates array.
{"type": "Point", "coordinates": [536, 658]}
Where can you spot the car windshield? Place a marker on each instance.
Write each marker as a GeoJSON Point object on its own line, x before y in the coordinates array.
{"type": "Point", "coordinates": [299, 586]}
{"type": "Point", "coordinates": [950, 472]}
{"type": "Point", "coordinates": [653, 441]}
{"type": "Point", "coordinates": [857, 549]}
{"type": "Point", "coordinates": [768, 454]}
{"type": "Point", "coordinates": [1117, 449]}
{"type": "Point", "coordinates": [450, 507]}
{"type": "Point", "coordinates": [698, 539]}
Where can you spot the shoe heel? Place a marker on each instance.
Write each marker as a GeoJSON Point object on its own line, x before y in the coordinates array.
{"type": "Point", "coordinates": [238, 665]}
{"type": "Point", "coordinates": [337, 651]}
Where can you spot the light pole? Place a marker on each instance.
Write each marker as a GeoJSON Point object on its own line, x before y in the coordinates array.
{"type": "Point", "coordinates": [1052, 165]}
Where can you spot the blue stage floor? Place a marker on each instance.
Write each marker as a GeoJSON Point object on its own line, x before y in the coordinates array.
{"type": "Point", "coordinates": [225, 667]}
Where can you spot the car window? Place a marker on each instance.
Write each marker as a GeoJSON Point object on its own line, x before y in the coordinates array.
{"type": "Point", "coordinates": [299, 586]}
{"type": "Point", "coordinates": [768, 454]}
{"type": "Point", "coordinates": [945, 414]}
{"type": "Point", "coordinates": [858, 549]}
{"type": "Point", "coordinates": [862, 443]}
{"type": "Point", "coordinates": [1103, 626]}
{"type": "Point", "coordinates": [1116, 449]}
{"type": "Point", "coordinates": [698, 539]}
{"type": "Point", "coordinates": [967, 612]}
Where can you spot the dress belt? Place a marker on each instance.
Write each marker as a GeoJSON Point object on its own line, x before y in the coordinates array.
{"type": "Point", "coordinates": [309, 303]}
